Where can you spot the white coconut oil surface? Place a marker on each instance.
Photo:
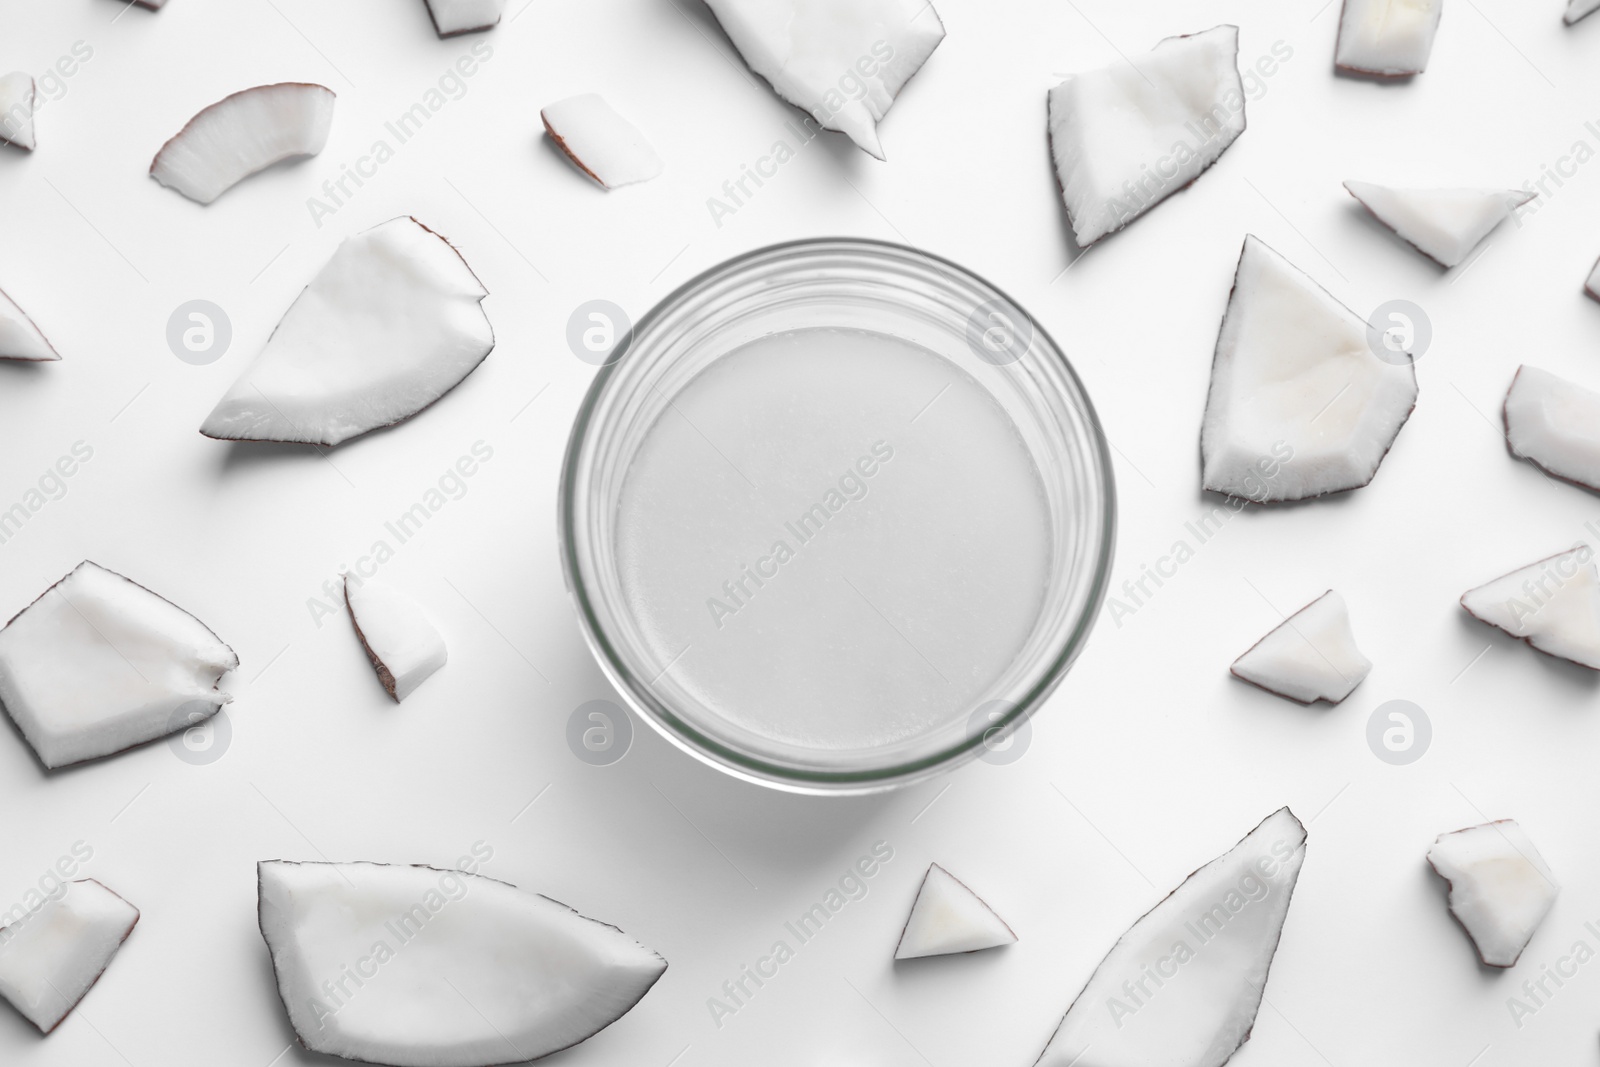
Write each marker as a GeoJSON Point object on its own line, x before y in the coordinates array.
{"type": "Point", "coordinates": [837, 539]}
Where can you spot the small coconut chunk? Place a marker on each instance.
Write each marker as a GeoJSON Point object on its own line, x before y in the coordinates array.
{"type": "Point", "coordinates": [1300, 404]}
{"type": "Point", "coordinates": [1555, 424]}
{"type": "Point", "coordinates": [842, 62]}
{"type": "Point", "coordinates": [1310, 656]}
{"type": "Point", "coordinates": [453, 17]}
{"type": "Point", "coordinates": [603, 144]}
{"type": "Point", "coordinates": [18, 97]}
{"type": "Point", "coordinates": [242, 134]}
{"type": "Point", "coordinates": [1500, 887]}
{"type": "Point", "coordinates": [1553, 604]}
{"type": "Point", "coordinates": [947, 917]}
{"type": "Point", "coordinates": [1127, 136]}
{"type": "Point", "coordinates": [99, 664]}
{"type": "Point", "coordinates": [1388, 38]}
{"type": "Point", "coordinates": [51, 957]}
{"type": "Point", "coordinates": [1577, 9]}
{"type": "Point", "coordinates": [1443, 224]}
{"type": "Point", "coordinates": [19, 338]}
{"type": "Point", "coordinates": [402, 643]}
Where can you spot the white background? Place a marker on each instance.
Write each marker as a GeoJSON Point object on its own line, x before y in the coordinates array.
{"type": "Point", "coordinates": [1149, 760]}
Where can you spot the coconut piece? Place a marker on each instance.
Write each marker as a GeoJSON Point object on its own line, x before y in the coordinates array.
{"type": "Point", "coordinates": [457, 970]}
{"type": "Point", "coordinates": [1555, 424]}
{"type": "Point", "coordinates": [18, 98]}
{"type": "Point", "coordinates": [19, 337]}
{"type": "Point", "coordinates": [1183, 985]}
{"type": "Point", "coordinates": [1443, 224]}
{"type": "Point", "coordinates": [52, 956]}
{"type": "Point", "coordinates": [602, 144]}
{"type": "Point", "coordinates": [402, 643]}
{"type": "Point", "coordinates": [99, 664]}
{"type": "Point", "coordinates": [454, 17]}
{"type": "Point", "coordinates": [1592, 284]}
{"type": "Point", "coordinates": [393, 322]}
{"type": "Point", "coordinates": [1387, 38]}
{"type": "Point", "coordinates": [1127, 136]}
{"type": "Point", "coordinates": [842, 62]}
{"type": "Point", "coordinates": [1553, 605]}
{"type": "Point", "coordinates": [1310, 656]}
{"type": "Point", "coordinates": [1577, 9]}
{"type": "Point", "coordinates": [1300, 405]}
{"type": "Point", "coordinates": [153, 5]}
{"type": "Point", "coordinates": [244, 133]}
{"type": "Point", "coordinates": [1500, 887]}
{"type": "Point", "coordinates": [947, 917]}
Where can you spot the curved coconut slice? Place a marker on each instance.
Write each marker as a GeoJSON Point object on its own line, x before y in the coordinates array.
{"type": "Point", "coordinates": [244, 133]}
{"type": "Point", "coordinates": [51, 957]}
{"type": "Point", "coordinates": [603, 144]}
{"type": "Point", "coordinates": [1577, 9]}
{"type": "Point", "coordinates": [19, 337]}
{"type": "Point", "coordinates": [418, 967]}
{"type": "Point", "coordinates": [840, 61]}
{"type": "Point", "coordinates": [403, 645]}
{"type": "Point", "coordinates": [1555, 424]}
{"type": "Point", "coordinates": [99, 664]}
{"type": "Point", "coordinates": [393, 322]}
{"type": "Point", "coordinates": [1126, 137]}
{"type": "Point", "coordinates": [454, 17]}
{"type": "Point", "coordinates": [18, 97]}
{"type": "Point", "coordinates": [1443, 224]}
{"type": "Point", "coordinates": [1183, 985]}
{"type": "Point", "coordinates": [948, 917]}
{"type": "Point", "coordinates": [1553, 605]}
{"type": "Point", "coordinates": [1500, 887]}
{"type": "Point", "coordinates": [1388, 38]}
{"type": "Point", "coordinates": [1299, 404]}
{"type": "Point", "coordinates": [1310, 656]}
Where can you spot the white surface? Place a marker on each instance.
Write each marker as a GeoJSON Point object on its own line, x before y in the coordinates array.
{"type": "Point", "coordinates": [1150, 758]}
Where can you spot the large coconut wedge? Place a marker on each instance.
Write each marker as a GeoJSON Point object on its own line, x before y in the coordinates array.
{"type": "Point", "coordinates": [99, 664]}
{"type": "Point", "coordinates": [1577, 9]}
{"type": "Point", "coordinates": [841, 61]}
{"type": "Point", "coordinates": [51, 957]}
{"type": "Point", "coordinates": [244, 133]}
{"type": "Point", "coordinates": [418, 967]}
{"type": "Point", "coordinates": [1310, 656]}
{"type": "Point", "coordinates": [1387, 38]}
{"type": "Point", "coordinates": [1443, 224]}
{"type": "Point", "coordinates": [1553, 605]}
{"type": "Point", "coordinates": [1500, 887]}
{"type": "Point", "coordinates": [1126, 137]}
{"type": "Point", "coordinates": [600, 142]}
{"type": "Point", "coordinates": [403, 645]}
{"type": "Point", "coordinates": [454, 17]}
{"type": "Point", "coordinates": [18, 98]}
{"type": "Point", "coordinates": [19, 338]}
{"type": "Point", "coordinates": [1300, 405]}
{"type": "Point", "coordinates": [1555, 424]}
{"type": "Point", "coordinates": [947, 917]}
{"type": "Point", "coordinates": [1183, 985]}
{"type": "Point", "coordinates": [387, 327]}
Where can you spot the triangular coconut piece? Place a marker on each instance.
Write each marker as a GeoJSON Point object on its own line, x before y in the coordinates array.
{"type": "Point", "coordinates": [602, 144]}
{"type": "Point", "coordinates": [1553, 605]}
{"type": "Point", "coordinates": [1387, 38]}
{"type": "Point", "coordinates": [19, 337]}
{"type": "Point", "coordinates": [1127, 136]}
{"type": "Point", "coordinates": [454, 17]}
{"type": "Point", "coordinates": [242, 134]}
{"type": "Point", "coordinates": [458, 970]}
{"type": "Point", "coordinates": [402, 643]}
{"type": "Point", "coordinates": [840, 61]}
{"type": "Point", "coordinates": [947, 917]}
{"type": "Point", "coordinates": [1592, 284]}
{"type": "Point", "coordinates": [1443, 224]}
{"type": "Point", "coordinates": [51, 957]}
{"type": "Point", "coordinates": [18, 98]}
{"type": "Point", "coordinates": [391, 323]}
{"type": "Point", "coordinates": [1577, 9]}
{"type": "Point", "coordinates": [1310, 656]}
{"type": "Point", "coordinates": [1300, 405]}
{"type": "Point", "coordinates": [1555, 424]}
{"type": "Point", "coordinates": [1183, 985]}
{"type": "Point", "coordinates": [99, 664]}
{"type": "Point", "coordinates": [1500, 887]}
